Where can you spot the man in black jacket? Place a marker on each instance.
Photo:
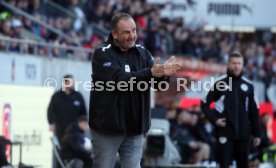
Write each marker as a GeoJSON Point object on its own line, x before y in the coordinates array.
{"type": "Point", "coordinates": [235, 115]}
{"type": "Point", "coordinates": [120, 117]}
{"type": "Point", "coordinates": [65, 107]}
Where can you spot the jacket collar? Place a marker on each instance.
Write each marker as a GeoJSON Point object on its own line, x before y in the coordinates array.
{"type": "Point", "coordinates": [234, 77]}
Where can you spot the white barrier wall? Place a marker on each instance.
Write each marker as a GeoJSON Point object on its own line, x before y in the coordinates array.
{"type": "Point", "coordinates": [26, 122]}
{"type": "Point", "coordinates": [22, 69]}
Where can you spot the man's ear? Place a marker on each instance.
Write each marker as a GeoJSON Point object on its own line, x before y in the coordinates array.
{"type": "Point", "coordinates": [115, 34]}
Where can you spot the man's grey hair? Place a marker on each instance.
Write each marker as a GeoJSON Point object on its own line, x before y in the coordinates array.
{"type": "Point", "coordinates": [116, 18]}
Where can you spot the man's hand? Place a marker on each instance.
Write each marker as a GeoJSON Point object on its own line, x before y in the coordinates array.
{"type": "Point", "coordinates": [170, 67]}
{"type": "Point", "coordinates": [256, 141]}
{"type": "Point", "coordinates": [221, 122]}
{"type": "Point", "coordinates": [157, 70]}
{"type": "Point", "coordinates": [52, 127]}
{"type": "Point", "coordinates": [193, 144]}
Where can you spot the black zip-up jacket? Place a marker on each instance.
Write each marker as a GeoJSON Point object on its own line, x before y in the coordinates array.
{"type": "Point", "coordinates": [237, 103]}
{"type": "Point", "coordinates": [65, 109]}
{"type": "Point", "coordinates": [120, 112]}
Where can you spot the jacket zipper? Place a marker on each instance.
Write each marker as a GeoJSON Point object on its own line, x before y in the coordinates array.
{"type": "Point", "coordinates": [125, 57]}
{"type": "Point", "coordinates": [237, 103]}
{"type": "Point", "coordinates": [143, 101]}
{"type": "Point", "coordinates": [124, 68]}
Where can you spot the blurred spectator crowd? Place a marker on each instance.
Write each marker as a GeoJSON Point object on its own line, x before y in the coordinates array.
{"type": "Point", "coordinates": [162, 36]}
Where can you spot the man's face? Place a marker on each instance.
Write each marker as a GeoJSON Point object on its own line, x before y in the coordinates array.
{"type": "Point", "coordinates": [235, 65]}
{"type": "Point", "coordinates": [84, 126]}
{"type": "Point", "coordinates": [69, 83]}
{"type": "Point", "coordinates": [125, 35]}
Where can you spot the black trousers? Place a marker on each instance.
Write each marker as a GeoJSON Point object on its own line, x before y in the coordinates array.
{"type": "Point", "coordinates": [232, 149]}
